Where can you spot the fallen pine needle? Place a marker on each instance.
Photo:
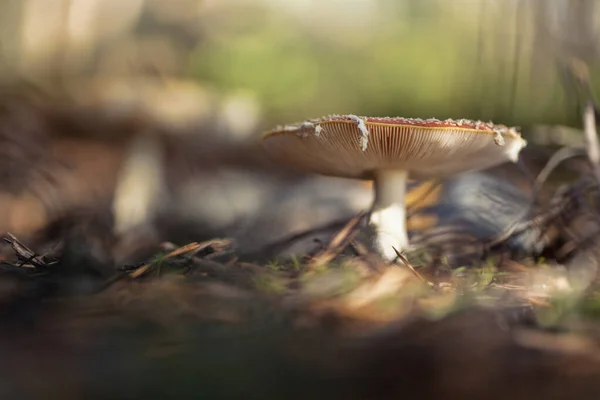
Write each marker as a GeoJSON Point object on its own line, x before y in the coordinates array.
{"type": "Point", "coordinates": [194, 246]}
{"type": "Point", "coordinates": [538, 302]}
{"type": "Point", "coordinates": [337, 244]}
{"type": "Point", "coordinates": [409, 265]}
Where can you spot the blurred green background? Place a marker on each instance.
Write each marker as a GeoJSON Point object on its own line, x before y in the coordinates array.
{"type": "Point", "coordinates": [297, 59]}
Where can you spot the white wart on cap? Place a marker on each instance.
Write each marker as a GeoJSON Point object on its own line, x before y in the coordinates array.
{"type": "Point", "coordinates": [388, 151]}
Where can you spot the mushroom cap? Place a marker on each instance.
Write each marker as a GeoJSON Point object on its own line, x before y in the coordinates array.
{"type": "Point", "coordinates": [352, 147]}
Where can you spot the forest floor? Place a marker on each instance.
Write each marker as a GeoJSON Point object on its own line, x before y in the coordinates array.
{"type": "Point", "coordinates": [196, 322]}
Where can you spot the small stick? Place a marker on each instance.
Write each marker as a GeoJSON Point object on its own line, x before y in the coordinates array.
{"type": "Point", "coordinates": [286, 242]}
{"type": "Point", "coordinates": [538, 302]}
{"type": "Point", "coordinates": [337, 244]}
{"type": "Point", "coordinates": [182, 250]}
{"type": "Point", "coordinates": [409, 265]}
{"type": "Point", "coordinates": [359, 248]}
{"type": "Point", "coordinates": [215, 246]}
{"type": "Point", "coordinates": [23, 252]}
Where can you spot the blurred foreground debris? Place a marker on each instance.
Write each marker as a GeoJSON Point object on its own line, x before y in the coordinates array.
{"type": "Point", "coordinates": [339, 328]}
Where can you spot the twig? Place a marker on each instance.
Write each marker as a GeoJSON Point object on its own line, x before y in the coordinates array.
{"type": "Point", "coordinates": [538, 302]}
{"type": "Point", "coordinates": [182, 250]}
{"type": "Point", "coordinates": [194, 249]}
{"type": "Point", "coordinates": [24, 253]}
{"type": "Point", "coordinates": [211, 248]}
{"type": "Point", "coordinates": [337, 244]}
{"type": "Point", "coordinates": [359, 248]}
{"type": "Point", "coordinates": [409, 265]}
{"type": "Point", "coordinates": [280, 245]}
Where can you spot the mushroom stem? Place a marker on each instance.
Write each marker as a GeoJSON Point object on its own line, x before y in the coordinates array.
{"type": "Point", "coordinates": [388, 214]}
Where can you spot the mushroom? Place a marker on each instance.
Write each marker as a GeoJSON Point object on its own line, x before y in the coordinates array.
{"type": "Point", "coordinates": [389, 151]}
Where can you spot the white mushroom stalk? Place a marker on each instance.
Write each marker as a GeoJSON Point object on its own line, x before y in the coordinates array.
{"type": "Point", "coordinates": [388, 215]}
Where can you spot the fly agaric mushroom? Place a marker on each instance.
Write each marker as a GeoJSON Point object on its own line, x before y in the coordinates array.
{"type": "Point", "coordinates": [388, 151]}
